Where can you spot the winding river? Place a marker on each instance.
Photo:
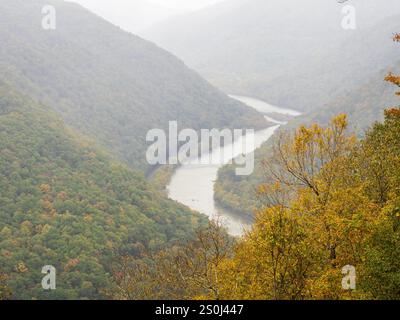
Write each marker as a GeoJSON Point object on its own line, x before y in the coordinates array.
{"type": "Point", "coordinates": [193, 184]}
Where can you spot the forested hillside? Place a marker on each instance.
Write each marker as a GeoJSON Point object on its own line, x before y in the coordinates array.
{"type": "Point", "coordinates": [107, 83]}
{"type": "Point", "coordinates": [290, 55]}
{"type": "Point", "coordinates": [363, 104]}
{"type": "Point", "coordinates": [66, 203]}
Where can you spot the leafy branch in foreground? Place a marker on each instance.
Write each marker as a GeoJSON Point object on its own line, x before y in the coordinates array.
{"type": "Point", "coordinates": [185, 271]}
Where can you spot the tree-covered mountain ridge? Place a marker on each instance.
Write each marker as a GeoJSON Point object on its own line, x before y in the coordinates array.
{"type": "Point", "coordinates": [106, 83]}
{"type": "Point", "coordinates": [65, 202]}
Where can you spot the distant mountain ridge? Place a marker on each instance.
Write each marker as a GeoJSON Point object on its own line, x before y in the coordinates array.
{"type": "Point", "coordinates": [289, 53]}
{"type": "Point", "coordinates": [364, 104]}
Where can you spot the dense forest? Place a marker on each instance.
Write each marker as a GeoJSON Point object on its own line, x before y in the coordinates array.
{"type": "Point", "coordinates": [64, 202]}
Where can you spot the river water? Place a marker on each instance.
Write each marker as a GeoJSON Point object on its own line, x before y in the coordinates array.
{"type": "Point", "coordinates": [193, 184]}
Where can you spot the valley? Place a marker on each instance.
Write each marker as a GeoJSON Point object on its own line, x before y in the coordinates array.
{"type": "Point", "coordinates": [199, 196]}
{"type": "Point", "coordinates": [242, 150]}
{"type": "Point", "coordinates": [310, 63]}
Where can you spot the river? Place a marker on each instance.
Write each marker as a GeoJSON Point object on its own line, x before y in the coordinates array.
{"type": "Point", "coordinates": [193, 184]}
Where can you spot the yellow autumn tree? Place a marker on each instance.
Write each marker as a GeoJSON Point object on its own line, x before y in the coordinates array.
{"type": "Point", "coordinates": [316, 220]}
{"type": "Point", "coordinates": [272, 262]}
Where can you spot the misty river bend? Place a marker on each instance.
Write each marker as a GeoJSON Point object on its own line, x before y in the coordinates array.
{"type": "Point", "coordinates": [193, 184]}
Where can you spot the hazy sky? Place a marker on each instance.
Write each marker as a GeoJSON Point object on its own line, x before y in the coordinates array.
{"type": "Point", "coordinates": [136, 15]}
